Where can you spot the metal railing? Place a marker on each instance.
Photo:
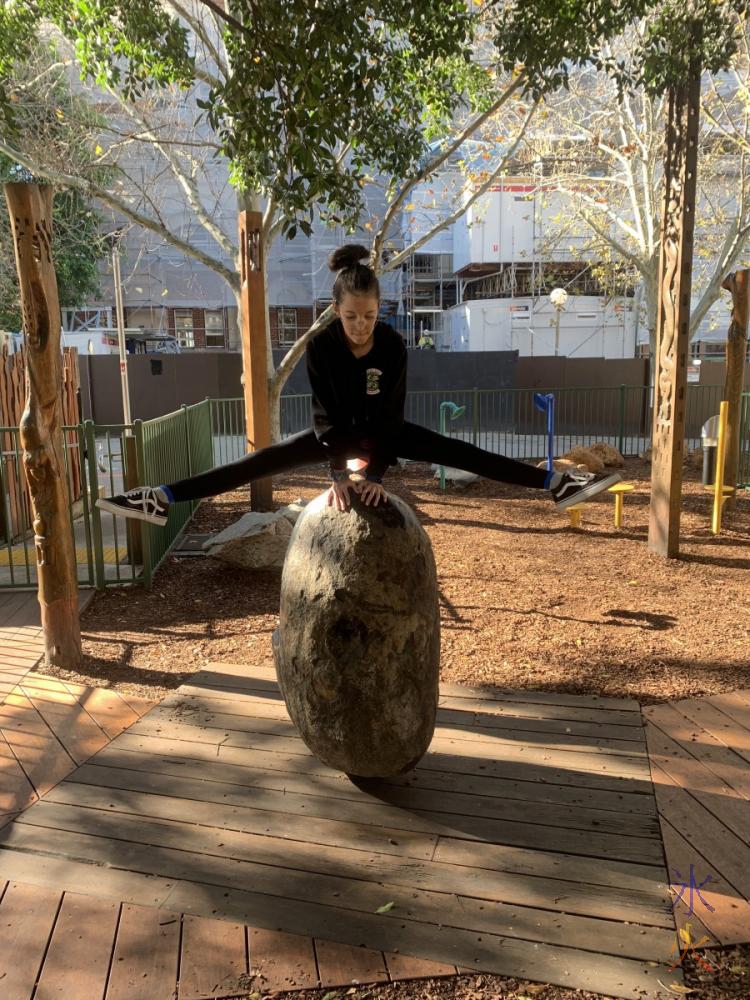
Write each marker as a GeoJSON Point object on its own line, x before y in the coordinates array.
{"type": "Point", "coordinates": [506, 420]}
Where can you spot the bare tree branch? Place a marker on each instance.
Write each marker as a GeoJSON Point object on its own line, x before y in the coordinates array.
{"type": "Point", "coordinates": [92, 190]}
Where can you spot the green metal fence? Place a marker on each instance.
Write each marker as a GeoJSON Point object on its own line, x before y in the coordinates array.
{"type": "Point", "coordinates": [169, 448]}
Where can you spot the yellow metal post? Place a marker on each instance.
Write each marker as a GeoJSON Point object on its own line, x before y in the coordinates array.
{"type": "Point", "coordinates": [719, 483]}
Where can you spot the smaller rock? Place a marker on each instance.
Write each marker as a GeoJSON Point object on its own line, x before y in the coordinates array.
{"type": "Point", "coordinates": [559, 465]}
{"type": "Point", "coordinates": [259, 540]}
{"type": "Point", "coordinates": [611, 457]}
{"type": "Point", "coordinates": [586, 457]}
{"type": "Point", "coordinates": [293, 510]}
{"type": "Point", "coordinates": [458, 476]}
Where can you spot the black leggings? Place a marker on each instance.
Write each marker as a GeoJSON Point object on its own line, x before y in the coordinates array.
{"type": "Point", "coordinates": [414, 442]}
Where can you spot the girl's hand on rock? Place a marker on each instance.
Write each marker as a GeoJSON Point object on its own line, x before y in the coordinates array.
{"type": "Point", "coordinates": [373, 491]}
{"type": "Point", "coordinates": [338, 494]}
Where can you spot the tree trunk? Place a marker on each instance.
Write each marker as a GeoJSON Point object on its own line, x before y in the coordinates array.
{"type": "Point", "coordinates": [30, 210]}
{"type": "Point", "coordinates": [739, 285]}
{"type": "Point", "coordinates": [255, 349]}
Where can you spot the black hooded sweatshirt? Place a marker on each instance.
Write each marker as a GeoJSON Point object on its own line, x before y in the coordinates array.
{"type": "Point", "coordinates": [358, 402]}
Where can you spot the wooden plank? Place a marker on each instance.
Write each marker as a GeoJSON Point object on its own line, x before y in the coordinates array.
{"type": "Point", "coordinates": [354, 878]}
{"type": "Point", "coordinates": [644, 848]}
{"type": "Point", "coordinates": [280, 961]}
{"type": "Point", "coordinates": [252, 673]}
{"type": "Point", "coordinates": [77, 962]}
{"type": "Point", "coordinates": [27, 916]}
{"type": "Point", "coordinates": [676, 767]}
{"type": "Point", "coordinates": [91, 879]}
{"type": "Point", "coordinates": [344, 965]}
{"type": "Point", "coordinates": [139, 705]}
{"type": "Point", "coordinates": [528, 695]}
{"type": "Point", "coordinates": [72, 726]}
{"type": "Point", "coordinates": [728, 765]}
{"type": "Point", "coordinates": [707, 835]}
{"type": "Point", "coordinates": [43, 760]}
{"type": "Point", "coordinates": [453, 710]}
{"type": "Point", "coordinates": [108, 710]}
{"type": "Point", "coordinates": [729, 920]}
{"type": "Point", "coordinates": [471, 726]}
{"type": "Point", "coordinates": [489, 756]}
{"type": "Point", "coordinates": [719, 725]}
{"type": "Point", "coordinates": [402, 967]}
{"type": "Point", "coordinates": [735, 704]}
{"type": "Point", "coordinates": [16, 791]}
{"type": "Point", "coordinates": [236, 813]}
{"type": "Point", "coordinates": [517, 707]}
{"type": "Point", "coordinates": [487, 951]}
{"type": "Point", "coordinates": [404, 824]}
{"type": "Point", "coordinates": [146, 955]}
{"type": "Point", "coordinates": [343, 833]}
{"type": "Point", "coordinates": [414, 784]}
{"type": "Point", "coordinates": [213, 957]}
{"type": "Point", "coordinates": [446, 765]}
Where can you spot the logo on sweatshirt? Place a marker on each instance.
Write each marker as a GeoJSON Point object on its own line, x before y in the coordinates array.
{"type": "Point", "coordinates": [373, 381]}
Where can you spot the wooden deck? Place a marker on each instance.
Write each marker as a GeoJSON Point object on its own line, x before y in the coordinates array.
{"type": "Point", "coordinates": [21, 639]}
{"type": "Point", "coordinates": [700, 760]}
{"type": "Point", "coordinates": [527, 843]}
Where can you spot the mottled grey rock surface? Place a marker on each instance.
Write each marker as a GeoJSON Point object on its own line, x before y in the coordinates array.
{"type": "Point", "coordinates": [257, 540]}
{"type": "Point", "coordinates": [358, 645]}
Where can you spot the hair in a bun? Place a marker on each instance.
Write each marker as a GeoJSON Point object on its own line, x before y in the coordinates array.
{"type": "Point", "coordinates": [347, 256]}
{"type": "Point", "coordinates": [353, 277]}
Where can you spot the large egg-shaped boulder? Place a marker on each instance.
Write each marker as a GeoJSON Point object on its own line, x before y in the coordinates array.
{"type": "Point", "coordinates": [358, 645]}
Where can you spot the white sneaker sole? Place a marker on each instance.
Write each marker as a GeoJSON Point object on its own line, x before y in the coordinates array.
{"type": "Point", "coordinates": [587, 492]}
{"type": "Point", "coordinates": [136, 515]}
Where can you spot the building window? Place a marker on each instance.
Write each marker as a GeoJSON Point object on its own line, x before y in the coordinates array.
{"type": "Point", "coordinates": [286, 317]}
{"type": "Point", "coordinates": [183, 327]}
{"type": "Point", "coordinates": [214, 328]}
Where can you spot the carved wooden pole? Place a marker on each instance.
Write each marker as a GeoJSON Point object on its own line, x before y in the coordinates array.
{"type": "Point", "coordinates": [30, 210]}
{"type": "Point", "coordinates": [739, 285]}
{"type": "Point", "coordinates": [255, 349]}
{"type": "Point", "coordinates": [673, 315]}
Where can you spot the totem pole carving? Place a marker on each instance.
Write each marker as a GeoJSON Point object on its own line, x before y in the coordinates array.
{"type": "Point", "coordinates": [30, 211]}
{"type": "Point", "coordinates": [255, 349]}
{"type": "Point", "coordinates": [673, 315]}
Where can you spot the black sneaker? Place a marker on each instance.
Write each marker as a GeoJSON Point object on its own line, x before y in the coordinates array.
{"type": "Point", "coordinates": [575, 487]}
{"type": "Point", "coordinates": [146, 503]}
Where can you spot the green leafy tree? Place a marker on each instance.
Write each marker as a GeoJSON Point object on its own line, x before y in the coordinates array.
{"type": "Point", "coordinates": [304, 101]}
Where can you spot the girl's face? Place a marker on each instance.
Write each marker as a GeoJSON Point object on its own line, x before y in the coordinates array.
{"type": "Point", "coordinates": [358, 315]}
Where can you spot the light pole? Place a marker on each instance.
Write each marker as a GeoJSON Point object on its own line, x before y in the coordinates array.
{"type": "Point", "coordinates": [558, 297]}
{"type": "Point", "coordinates": [114, 242]}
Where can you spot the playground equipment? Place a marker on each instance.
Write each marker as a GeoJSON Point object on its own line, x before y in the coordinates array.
{"type": "Point", "coordinates": [357, 649]}
{"type": "Point", "coordinates": [546, 403]}
{"type": "Point", "coordinates": [721, 492]}
{"type": "Point", "coordinates": [619, 490]}
{"type": "Point", "coordinates": [455, 412]}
